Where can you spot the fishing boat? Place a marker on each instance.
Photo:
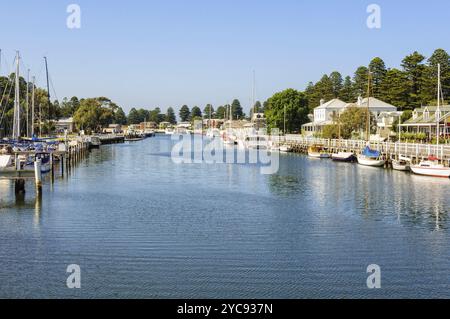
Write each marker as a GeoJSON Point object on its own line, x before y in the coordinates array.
{"type": "Point", "coordinates": [343, 157]}
{"type": "Point", "coordinates": [371, 157]}
{"type": "Point", "coordinates": [402, 164]}
{"type": "Point", "coordinates": [317, 151]}
{"type": "Point", "coordinates": [431, 167]}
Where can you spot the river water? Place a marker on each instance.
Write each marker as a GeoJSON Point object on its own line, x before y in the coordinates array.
{"type": "Point", "coordinates": [141, 226]}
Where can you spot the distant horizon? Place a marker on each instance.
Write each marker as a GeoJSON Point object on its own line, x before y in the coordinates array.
{"type": "Point", "coordinates": [169, 54]}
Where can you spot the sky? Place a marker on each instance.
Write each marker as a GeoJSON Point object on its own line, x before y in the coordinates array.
{"type": "Point", "coordinates": [166, 53]}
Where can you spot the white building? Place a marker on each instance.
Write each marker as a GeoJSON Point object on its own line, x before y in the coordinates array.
{"type": "Point", "coordinates": [64, 125]}
{"type": "Point", "coordinates": [328, 113]}
{"type": "Point", "coordinates": [324, 115]}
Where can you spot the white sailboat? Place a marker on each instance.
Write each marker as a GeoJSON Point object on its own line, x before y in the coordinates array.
{"type": "Point", "coordinates": [370, 157]}
{"type": "Point", "coordinates": [431, 166]}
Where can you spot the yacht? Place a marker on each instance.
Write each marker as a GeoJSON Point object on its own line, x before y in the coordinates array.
{"type": "Point", "coordinates": [431, 167]}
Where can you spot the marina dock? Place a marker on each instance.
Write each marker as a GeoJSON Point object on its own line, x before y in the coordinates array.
{"type": "Point", "coordinates": [389, 150]}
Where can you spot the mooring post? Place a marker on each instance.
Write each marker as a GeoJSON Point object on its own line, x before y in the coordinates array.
{"type": "Point", "coordinates": [20, 186]}
{"type": "Point", "coordinates": [52, 167]}
{"type": "Point", "coordinates": [62, 164]}
{"type": "Point", "coordinates": [38, 174]}
{"type": "Point", "coordinates": [17, 161]}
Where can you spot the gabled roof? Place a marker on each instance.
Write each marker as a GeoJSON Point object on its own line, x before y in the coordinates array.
{"type": "Point", "coordinates": [376, 103]}
{"type": "Point", "coordinates": [443, 108]}
{"type": "Point", "coordinates": [333, 104]}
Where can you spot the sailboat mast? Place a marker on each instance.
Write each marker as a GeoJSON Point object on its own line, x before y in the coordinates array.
{"type": "Point", "coordinates": [32, 107]}
{"type": "Point", "coordinates": [438, 106]}
{"type": "Point", "coordinates": [16, 124]}
{"type": "Point", "coordinates": [368, 108]}
{"type": "Point", "coordinates": [27, 103]}
{"type": "Point", "coordinates": [48, 92]}
{"type": "Point", "coordinates": [254, 92]}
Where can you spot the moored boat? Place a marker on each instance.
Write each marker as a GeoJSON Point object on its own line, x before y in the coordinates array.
{"type": "Point", "coordinates": [343, 157]}
{"type": "Point", "coordinates": [371, 158]}
{"type": "Point", "coordinates": [431, 167]}
{"type": "Point", "coordinates": [286, 149]}
{"type": "Point", "coordinates": [317, 151]}
{"type": "Point", "coordinates": [402, 164]}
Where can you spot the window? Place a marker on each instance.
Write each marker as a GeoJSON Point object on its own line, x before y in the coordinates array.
{"type": "Point", "coordinates": [426, 115]}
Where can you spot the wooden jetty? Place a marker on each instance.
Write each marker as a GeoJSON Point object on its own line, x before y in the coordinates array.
{"type": "Point", "coordinates": [389, 150]}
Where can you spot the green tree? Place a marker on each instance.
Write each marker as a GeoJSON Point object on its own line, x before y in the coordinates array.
{"type": "Point", "coordinates": [378, 69]}
{"type": "Point", "coordinates": [337, 83]}
{"type": "Point", "coordinates": [134, 117]}
{"type": "Point", "coordinates": [311, 95]}
{"type": "Point", "coordinates": [156, 116]}
{"type": "Point", "coordinates": [196, 113]}
{"type": "Point", "coordinates": [395, 89]}
{"type": "Point", "coordinates": [220, 113]}
{"type": "Point", "coordinates": [92, 116]}
{"type": "Point", "coordinates": [324, 89]}
{"type": "Point", "coordinates": [170, 116]}
{"type": "Point", "coordinates": [415, 72]}
{"type": "Point", "coordinates": [347, 93]}
{"type": "Point", "coordinates": [294, 103]}
{"type": "Point", "coordinates": [209, 111]}
{"type": "Point", "coordinates": [237, 111]}
{"type": "Point", "coordinates": [360, 80]}
{"type": "Point", "coordinates": [353, 122]}
{"type": "Point", "coordinates": [429, 89]}
{"type": "Point", "coordinates": [185, 113]}
{"type": "Point", "coordinates": [120, 117]}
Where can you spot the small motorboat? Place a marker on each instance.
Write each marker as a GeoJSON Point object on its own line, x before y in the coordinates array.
{"type": "Point", "coordinates": [286, 149]}
{"type": "Point", "coordinates": [94, 142]}
{"type": "Point", "coordinates": [431, 167]}
{"type": "Point", "coordinates": [343, 157]}
{"type": "Point", "coordinates": [371, 158]}
{"type": "Point", "coordinates": [317, 151]}
{"type": "Point", "coordinates": [402, 164]}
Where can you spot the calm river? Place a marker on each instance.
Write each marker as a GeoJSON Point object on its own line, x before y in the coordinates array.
{"type": "Point", "coordinates": [141, 226]}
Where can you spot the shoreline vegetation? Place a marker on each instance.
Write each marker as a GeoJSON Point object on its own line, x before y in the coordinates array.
{"type": "Point", "coordinates": [407, 88]}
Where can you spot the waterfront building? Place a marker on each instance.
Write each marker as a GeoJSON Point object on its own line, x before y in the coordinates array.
{"type": "Point", "coordinates": [328, 113]}
{"type": "Point", "coordinates": [113, 129]}
{"type": "Point", "coordinates": [324, 115]}
{"type": "Point", "coordinates": [66, 124]}
{"type": "Point", "coordinates": [425, 120]}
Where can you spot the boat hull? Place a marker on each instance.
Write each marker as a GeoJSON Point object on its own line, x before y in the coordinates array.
{"type": "Point", "coordinates": [343, 157]}
{"type": "Point", "coordinates": [365, 161]}
{"type": "Point", "coordinates": [319, 155]}
{"type": "Point", "coordinates": [400, 166]}
{"type": "Point", "coordinates": [433, 172]}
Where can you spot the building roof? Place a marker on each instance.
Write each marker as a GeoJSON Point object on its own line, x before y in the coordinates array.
{"type": "Point", "coordinates": [374, 103]}
{"type": "Point", "coordinates": [333, 104]}
{"type": "Point", "coordinates": [65, 121]}
{"type": "Point", "coordinates": [421, 119]}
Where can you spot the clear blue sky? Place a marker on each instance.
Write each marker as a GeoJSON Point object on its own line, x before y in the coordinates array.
{"type": "Point", "coordinates": [173, 52]}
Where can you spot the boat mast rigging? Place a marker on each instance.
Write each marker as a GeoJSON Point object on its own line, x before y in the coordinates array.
{"type": "Point", "coordinates": [48, 92]}
{"type": "Point", "coordinates": [368, 107]}
{"type": "Point", "coordinates": [16, 123]}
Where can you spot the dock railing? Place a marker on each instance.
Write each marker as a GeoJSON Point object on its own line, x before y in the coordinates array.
{"type": "Point", "coordinates": [391, 149]}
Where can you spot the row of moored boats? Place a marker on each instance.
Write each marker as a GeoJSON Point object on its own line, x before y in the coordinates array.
{"type": "Point", "coordinates": [373, 158]}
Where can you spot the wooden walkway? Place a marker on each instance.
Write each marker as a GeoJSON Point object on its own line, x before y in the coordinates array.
{"type": "Point", "coordinates": [389, 150]}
